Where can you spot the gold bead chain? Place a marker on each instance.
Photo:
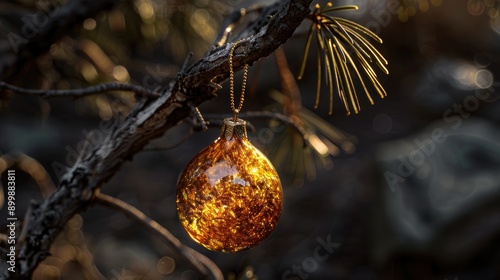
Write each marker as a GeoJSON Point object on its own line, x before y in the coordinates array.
{"type": "Point", "coordinates": [236, 111]}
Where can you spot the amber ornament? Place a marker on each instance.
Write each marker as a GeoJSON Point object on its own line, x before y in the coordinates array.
{"type": "Point", "coordinates": [229, 197]}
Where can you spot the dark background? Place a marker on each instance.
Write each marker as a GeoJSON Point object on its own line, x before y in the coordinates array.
{"type": "Point", "coordinates": [403, 205]}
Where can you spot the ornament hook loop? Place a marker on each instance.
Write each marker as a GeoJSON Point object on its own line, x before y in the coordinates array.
{"type": "Point", "coordinates": [235, 116]}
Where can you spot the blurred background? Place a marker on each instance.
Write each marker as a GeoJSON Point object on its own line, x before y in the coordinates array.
{"type": "Point", "coordinates": [408, 188]}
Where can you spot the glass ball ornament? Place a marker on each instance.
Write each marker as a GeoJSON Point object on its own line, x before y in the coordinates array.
{"type": "Point", "coordinates": [229, 197]}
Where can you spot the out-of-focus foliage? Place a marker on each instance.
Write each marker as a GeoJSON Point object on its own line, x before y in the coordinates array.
{"type": "Point", "coordinates": [301, 155]}
{"type": "Point", "coordinates": [408, 8]}
{"type": "Point", "coordinates": [118, 45]}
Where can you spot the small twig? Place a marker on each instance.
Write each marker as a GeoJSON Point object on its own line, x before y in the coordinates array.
{"type": "Point", "coordinates": [173, 146]}
{"type": "Point", "coordinates": [218, 122]}
{"type": "Point", "coordinates": [180, 75]}
{"type": "Point", "coordinates": [203, 264]}
{"type": "Point", "coordinates": [214, 123]}
{"type": "Point", "coordinates": [232, 20]}
{"type": "Point", "coordinates": [199, 118]}
{"type": "Point", "coordinates": [33, 168]}
{"type": "Point", "coordinates": [138, 90]}
{"type": "Point", "coordinates": [185, 64]}
{"type": "Point", "coordinates": [214, 85]}
{"type": "Point", "coordinates": [277, 116]}
{"type": "Point", "coordinates": [24, 230]}
{"type": "Point", "coordinates": [266, 115]}
{"type": "Point", "coordinates": [288, 83]}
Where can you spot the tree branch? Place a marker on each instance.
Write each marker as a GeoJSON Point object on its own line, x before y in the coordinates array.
{"type": "Point", "coordinates": [233, 19]}
{"type": "Point", "coordinates": [60, 21]}
{"type": "Point", "coordinates": [148, 120]}
{"type": "Point", "coordinates": [105, 87]}
{"type": "Point", "coordinates": [203, 264]}
{"type": "Point", "coordinates": [274, 25]}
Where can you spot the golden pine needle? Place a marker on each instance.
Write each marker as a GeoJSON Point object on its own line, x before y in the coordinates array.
{"type": "Point", "coordinates": [337, 40]}
{"type": "Point", "coordinates": [306, 52]}
{"type": "Point", "coordinates": [376, 54]}
{"type": "Point", "coordinates": [361, 28]}
{"type": "Point", "coordinates": [360, 78]}
{"type": "Point", "coordinates": [342, 78]}
{"type": "Point", "coordinates": [373, 78]}
{"type": "Point", "coordinates": [348, 79]}
{"type": "Point", "coordinates": [318, 85]}
{"type": "Point", "coordinates": [329, 77]}
{"type": "Point", "coordinates": [332, 22]}
{"type": "Point", "coordinates": [336, 75]}
{"type": "Point", "coordinates": [341, 8]}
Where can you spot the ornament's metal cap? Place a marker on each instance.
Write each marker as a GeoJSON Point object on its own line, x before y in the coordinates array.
{"type": "Point", "coordinates": [232, 128]}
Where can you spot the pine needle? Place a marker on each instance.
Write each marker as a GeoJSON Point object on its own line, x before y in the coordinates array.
{"type": "Point", "coordinates": [306, 52]}
{"type": "Point", "coordinates": [346, 56]}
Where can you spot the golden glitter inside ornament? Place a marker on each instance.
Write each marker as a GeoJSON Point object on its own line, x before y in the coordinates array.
{"type": "Point", "coordinates": [229, 197]}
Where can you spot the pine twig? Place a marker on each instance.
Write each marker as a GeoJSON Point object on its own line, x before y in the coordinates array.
{"type": "Point", "coordinates": [138, 90]}
{"type": "Point", "coordinates": [345, 55]}
{"type": "Point", "coordinates": [288, 83]}
{"type": "Point", "coordinates": [203, 264]}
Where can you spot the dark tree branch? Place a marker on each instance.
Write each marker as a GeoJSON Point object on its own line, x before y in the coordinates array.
{"type": "Point", "coordinates": [203, 264]}
{"type": "Point", "coordinates": [232, 20]}
{"type": "Point", "coordinates": [138, 90]}
{"type": "Point", "coordinates": [276, 26]}
{"type": "Point", "coordinates": [60, 21]}
{"type": "Point", "coordinates": [148, 120]}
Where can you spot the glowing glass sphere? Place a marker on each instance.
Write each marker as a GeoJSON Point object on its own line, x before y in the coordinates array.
{"type": "Point", "coordinates": [229, 197]}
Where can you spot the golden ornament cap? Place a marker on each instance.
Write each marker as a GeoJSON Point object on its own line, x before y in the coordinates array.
{"type": "Point", "coordinates": [234, 128]}
{"type": "Point", "coordinates": [229, 197]}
